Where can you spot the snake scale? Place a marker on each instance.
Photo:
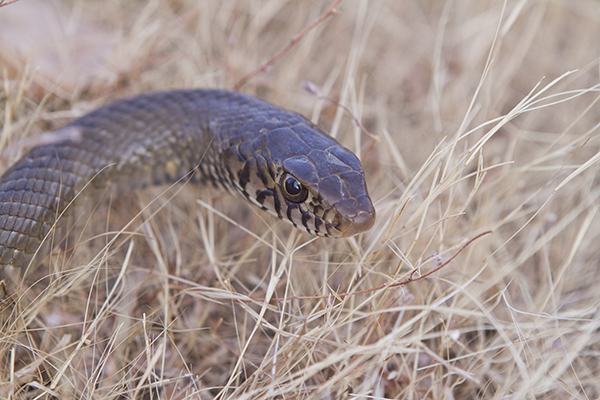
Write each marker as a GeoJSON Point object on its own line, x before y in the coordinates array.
{"type": "Point", "coordinates": [274, 158]}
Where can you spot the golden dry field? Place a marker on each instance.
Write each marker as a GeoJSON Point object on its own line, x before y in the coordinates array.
{"type": "Point", "coordinates": [480, 278]}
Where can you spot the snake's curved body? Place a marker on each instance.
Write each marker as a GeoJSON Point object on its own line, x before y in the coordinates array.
{"type": "Point", "coordinates": [276, 159]}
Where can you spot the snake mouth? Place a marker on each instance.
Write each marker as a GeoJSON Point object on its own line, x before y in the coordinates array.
{"type": "Point", "coordinates": [350, 216]}
{"type": "Point", "coordinates": [358, 224]}
{"type": "Point", "coordinates": [350, 226]}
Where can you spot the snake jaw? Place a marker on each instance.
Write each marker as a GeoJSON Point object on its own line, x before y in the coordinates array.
{"type": "Point", "coordinates": [360, 223]}
{"type": "Point", "coordinates": [345, 220]}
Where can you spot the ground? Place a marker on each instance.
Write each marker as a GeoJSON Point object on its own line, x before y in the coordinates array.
{"type": "Point", "coordinates": [479, 280]}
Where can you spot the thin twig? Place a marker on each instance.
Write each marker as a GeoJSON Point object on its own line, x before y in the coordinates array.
{"type": "Point", "coordinates": [315, 90]}
{"type": "Point", "coordinates": [5, 3]}
{"type": "Point", "coordinates": [410, 279]}
{"type": "Point", "coordinates": [295, 39]}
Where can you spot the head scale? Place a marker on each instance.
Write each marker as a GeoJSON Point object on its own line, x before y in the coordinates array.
{"type": "Point", "coordinates": [305, 177]}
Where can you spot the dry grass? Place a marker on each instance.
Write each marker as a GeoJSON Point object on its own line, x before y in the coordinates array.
{"type": "Point", "coordinates": [488, 120]}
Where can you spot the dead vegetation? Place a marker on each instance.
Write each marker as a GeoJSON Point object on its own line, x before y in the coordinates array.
{"type": "Point", "coordinates": [487, 118]}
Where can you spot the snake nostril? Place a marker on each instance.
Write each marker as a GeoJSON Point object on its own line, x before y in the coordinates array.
{"type": "Point", "coordinates": [347, 208]}
{"type": "Point", "coordinates": [361, 223]}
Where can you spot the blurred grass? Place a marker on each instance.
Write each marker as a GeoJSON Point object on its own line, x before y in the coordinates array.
{"type": "Point", "coordinates": [487, 116]}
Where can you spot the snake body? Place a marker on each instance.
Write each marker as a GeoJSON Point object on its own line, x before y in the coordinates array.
{"type": "Point", "coordinates": [274, 158]}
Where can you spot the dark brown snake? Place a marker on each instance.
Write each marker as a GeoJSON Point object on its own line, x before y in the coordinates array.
{"type": "Point", "coordinates": [276, 159]}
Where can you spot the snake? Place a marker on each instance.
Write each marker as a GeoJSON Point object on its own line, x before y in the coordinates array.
{"type": "Point", "coordinates": [273, 158]}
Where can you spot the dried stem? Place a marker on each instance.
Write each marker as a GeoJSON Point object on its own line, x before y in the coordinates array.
{"type": "Point", "coordinates": [410, 279]}
{"type": "Point", "coordinates": [315, 90]}
{"type": "Point", "coordinates": [5, 3]}
{"type": "Point", "coordinates": [295, 39]}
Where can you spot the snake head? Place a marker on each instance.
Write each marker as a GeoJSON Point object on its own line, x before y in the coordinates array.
{"type": "Point", "coordinates": [326, 194]}
{"type": "Point", "coordinates": [302, 175]}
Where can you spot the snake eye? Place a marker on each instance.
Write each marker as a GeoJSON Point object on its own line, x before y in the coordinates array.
{"type": "Point", "coordinates": [293, 190]}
